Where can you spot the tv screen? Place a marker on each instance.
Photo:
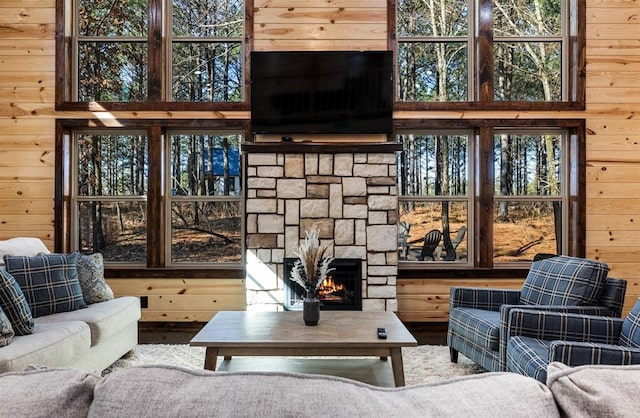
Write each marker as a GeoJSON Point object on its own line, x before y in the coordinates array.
{"type": "Point", "coordinates": [321, 92]}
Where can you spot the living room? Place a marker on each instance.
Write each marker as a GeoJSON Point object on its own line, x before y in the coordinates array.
{"type": "Point", "coordinates": [41, 113]}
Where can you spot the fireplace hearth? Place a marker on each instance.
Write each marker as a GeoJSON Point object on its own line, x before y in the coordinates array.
{"type": "Point", "coordinates": [341, 290]}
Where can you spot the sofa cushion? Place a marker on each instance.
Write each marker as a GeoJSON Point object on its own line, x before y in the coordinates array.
{"type": "Point", "coordinates": [51, 344]}
{"type": "Point", "coordinates": [49, 282]}
{"type": "Point", "coordinates": [91, 276]}
{"type": "Point", "coordinates": [47, 393]}
{"type": "Point", "coordinates": [104, 319]}
{"type": "Point", "coordinates": [595, 390]}
{"type": "Point", "coordinates": [14, 304]}
{"type": "Point", "coordinates": [166, 391]}
{"type": "Point", "coordinates": [480, 326]}
{"type": "Point", "coordinates": [21, 246]}
{"type": "Point", "coordinates": [630, 333]}
{"type": "Point", "coordinates": [564, 280]}
{"type": "Point", "coordinates": [6, 330]}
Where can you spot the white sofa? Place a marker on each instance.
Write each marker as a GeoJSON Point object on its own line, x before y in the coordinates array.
{"type": "Point", "coordinates": [90, 338]}
{"type": "Point", "coordinates": [87, 339]}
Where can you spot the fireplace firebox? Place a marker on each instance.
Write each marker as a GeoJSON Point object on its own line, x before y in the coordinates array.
{"type": "Point", "coordinates": [341, 290]}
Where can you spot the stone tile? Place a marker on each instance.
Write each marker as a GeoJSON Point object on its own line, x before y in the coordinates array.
{"type": "Point", "coordinates": [354, 186]}
{"type": "Point", "coordinates": [261, 206]}
{"type": "Point", "coordinates": [294, 165]}
{"type": "Point", "coordinates": [343, 165]}
{"type": "Point", "coordinates": [291, 188]}
{"type": "Point", "coordinates": [344, 232]}
{"type": "Point", "coordinates": [382, 238]}
{"type": "Point", "coordinates": [270, 224]}
{"type": "Point", "coordinates": [314, 208]}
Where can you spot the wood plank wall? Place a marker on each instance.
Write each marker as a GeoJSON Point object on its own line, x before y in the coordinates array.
{"type": "Point", "coordinates": [27, 118]}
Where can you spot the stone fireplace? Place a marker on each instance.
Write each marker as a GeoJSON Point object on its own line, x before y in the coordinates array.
{"type": "Point", "coordinates": [341, 290]}
{"type": "Point", "coordinates": [350, 195]}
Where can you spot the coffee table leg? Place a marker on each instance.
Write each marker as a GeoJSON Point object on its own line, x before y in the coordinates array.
{"type": "Point", "coordinates": [396, 365]}
{"type": "Point", "coordinates": [211, 358]}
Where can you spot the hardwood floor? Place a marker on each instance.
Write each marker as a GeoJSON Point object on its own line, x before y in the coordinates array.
{"type": "Point", "coordinates": [182, 332]}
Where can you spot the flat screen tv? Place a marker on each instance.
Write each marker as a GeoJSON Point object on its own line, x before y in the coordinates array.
{"type": "Point", "coordinates": [321, 92]}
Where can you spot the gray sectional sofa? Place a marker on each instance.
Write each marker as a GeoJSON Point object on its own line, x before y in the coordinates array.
{"type": "Point", "coordinates": [165, 391]}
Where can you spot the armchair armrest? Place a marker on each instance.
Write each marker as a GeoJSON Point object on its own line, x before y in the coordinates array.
{"type": "Point", "coordinates": [482, 298]}
{"type": "Point", "coordinates": [574, 353]}
{"type": "Point", "coordinates": [551, 326]}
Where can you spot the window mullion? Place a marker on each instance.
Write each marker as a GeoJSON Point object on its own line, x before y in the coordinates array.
{"type": "Point", "coordinates": [485, 51]}
{"type": "Point", "coordinates": [156, 224]}
{"type": "Point", "coordinates": [483, 213]}
{"type": "Point", "coordinates": [155, 50]}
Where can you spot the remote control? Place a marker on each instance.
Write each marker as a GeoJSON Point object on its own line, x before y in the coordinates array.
{"type": "Point", "coordinates": [382, 333]}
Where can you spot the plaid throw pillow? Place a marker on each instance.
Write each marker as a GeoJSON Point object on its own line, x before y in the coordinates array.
{"type": "Point", "coordinates": [630, 334]}
{"type": "Point", "coordinates": [564, 280]}
{"type": "Point", "coordinates": [91, 276]}
{"type": "Point", "coordinates": [14, 305]}
{"type": "Point", "coordinates": [6, 330]}
{"type": "Point", "coordinates": [49, 282]}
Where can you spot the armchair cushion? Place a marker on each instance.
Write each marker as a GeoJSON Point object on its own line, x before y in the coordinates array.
{"type": "Point", "coordinates": [630, 334]}
{"type": "Point", "coordinates": [549, 325]}
{"type": "Point", "coordinates": [564, 280]}
{"type": "Point", "coordinates": [480, 326]}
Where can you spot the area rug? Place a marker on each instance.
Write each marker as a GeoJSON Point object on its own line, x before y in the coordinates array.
{"type": "Point", "coordinates": [422, 364]}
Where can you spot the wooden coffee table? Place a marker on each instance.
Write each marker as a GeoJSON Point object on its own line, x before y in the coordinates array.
{"type": "Point", "coordinates": [339, 333]}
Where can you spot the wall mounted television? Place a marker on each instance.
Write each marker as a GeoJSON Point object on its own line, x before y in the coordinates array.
{"type": "Point", "coordinates": [321, 92]}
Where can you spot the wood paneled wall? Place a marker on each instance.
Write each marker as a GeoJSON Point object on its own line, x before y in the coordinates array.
{"type": "Point", "coordinates": [27, 118]}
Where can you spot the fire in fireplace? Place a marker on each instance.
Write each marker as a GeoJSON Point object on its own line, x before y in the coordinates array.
{"type": "Point", "coordinates": [341, 290]}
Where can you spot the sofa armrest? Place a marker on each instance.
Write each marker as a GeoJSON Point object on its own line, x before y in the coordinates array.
{"type": "Point", "coordinates": [562, 326]}
{"type": "Point", "coordinates": [482, 298]}
{"type": "Point", "coordinates": [573, 353]}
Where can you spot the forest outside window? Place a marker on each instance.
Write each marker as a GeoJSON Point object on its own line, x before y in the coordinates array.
{"type": "Point", "coordinates": [117, 201]}
{"type": "Point", "coordinates": [434, 191]}
{"type": "Point", "coordinates": [528, 210]}
{"type": "Point", "coordinates": [123, 54]}
{"type": "Point", "coordinates": [205, 198]}
{"type": "Point", "coordinates": [522, 177]}
{"type": "Point", "coordinates": [110, 194]}
{"type": "Point", "coordinates": [489, 52]}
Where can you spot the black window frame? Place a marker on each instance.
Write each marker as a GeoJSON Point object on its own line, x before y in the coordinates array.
{"type": "Point", "coordinates": [481, 261]}
{"type": "Point", "coordinates": [483, 66]}
{"type": "Point", "coordinates": [158, 221]}
{"type": "Point", "coordinates": [158, 57]}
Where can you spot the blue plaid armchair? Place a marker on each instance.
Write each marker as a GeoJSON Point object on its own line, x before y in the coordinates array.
{"type": "Point", "coordinates": [478, 316]}
{"type": "Point", "coordinates": [536, 339]}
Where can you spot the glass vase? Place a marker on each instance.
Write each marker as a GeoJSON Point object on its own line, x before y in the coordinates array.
{"type": "Point", "coordinates": [311, 309]}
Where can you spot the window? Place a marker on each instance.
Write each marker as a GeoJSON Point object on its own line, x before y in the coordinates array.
{"type": "Point", "coordinates": [153, 195]}
{"type": "Point", "coordinates": [204, 199]}
{"type": "Point", "coordinates": [110, 194]}
{"type": "Point", "coordinates": [490, 52]}
{"type": "Point", "coordinates": [206, 51]}
{"type": "Point", "coordinates": [126, 54]}
{"type": "Point", "coordinates": [528, 195]}
{"type": "Point", "coordinates": [434, 191]}
{"type": "Point", "coordinates": [489, 194]}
